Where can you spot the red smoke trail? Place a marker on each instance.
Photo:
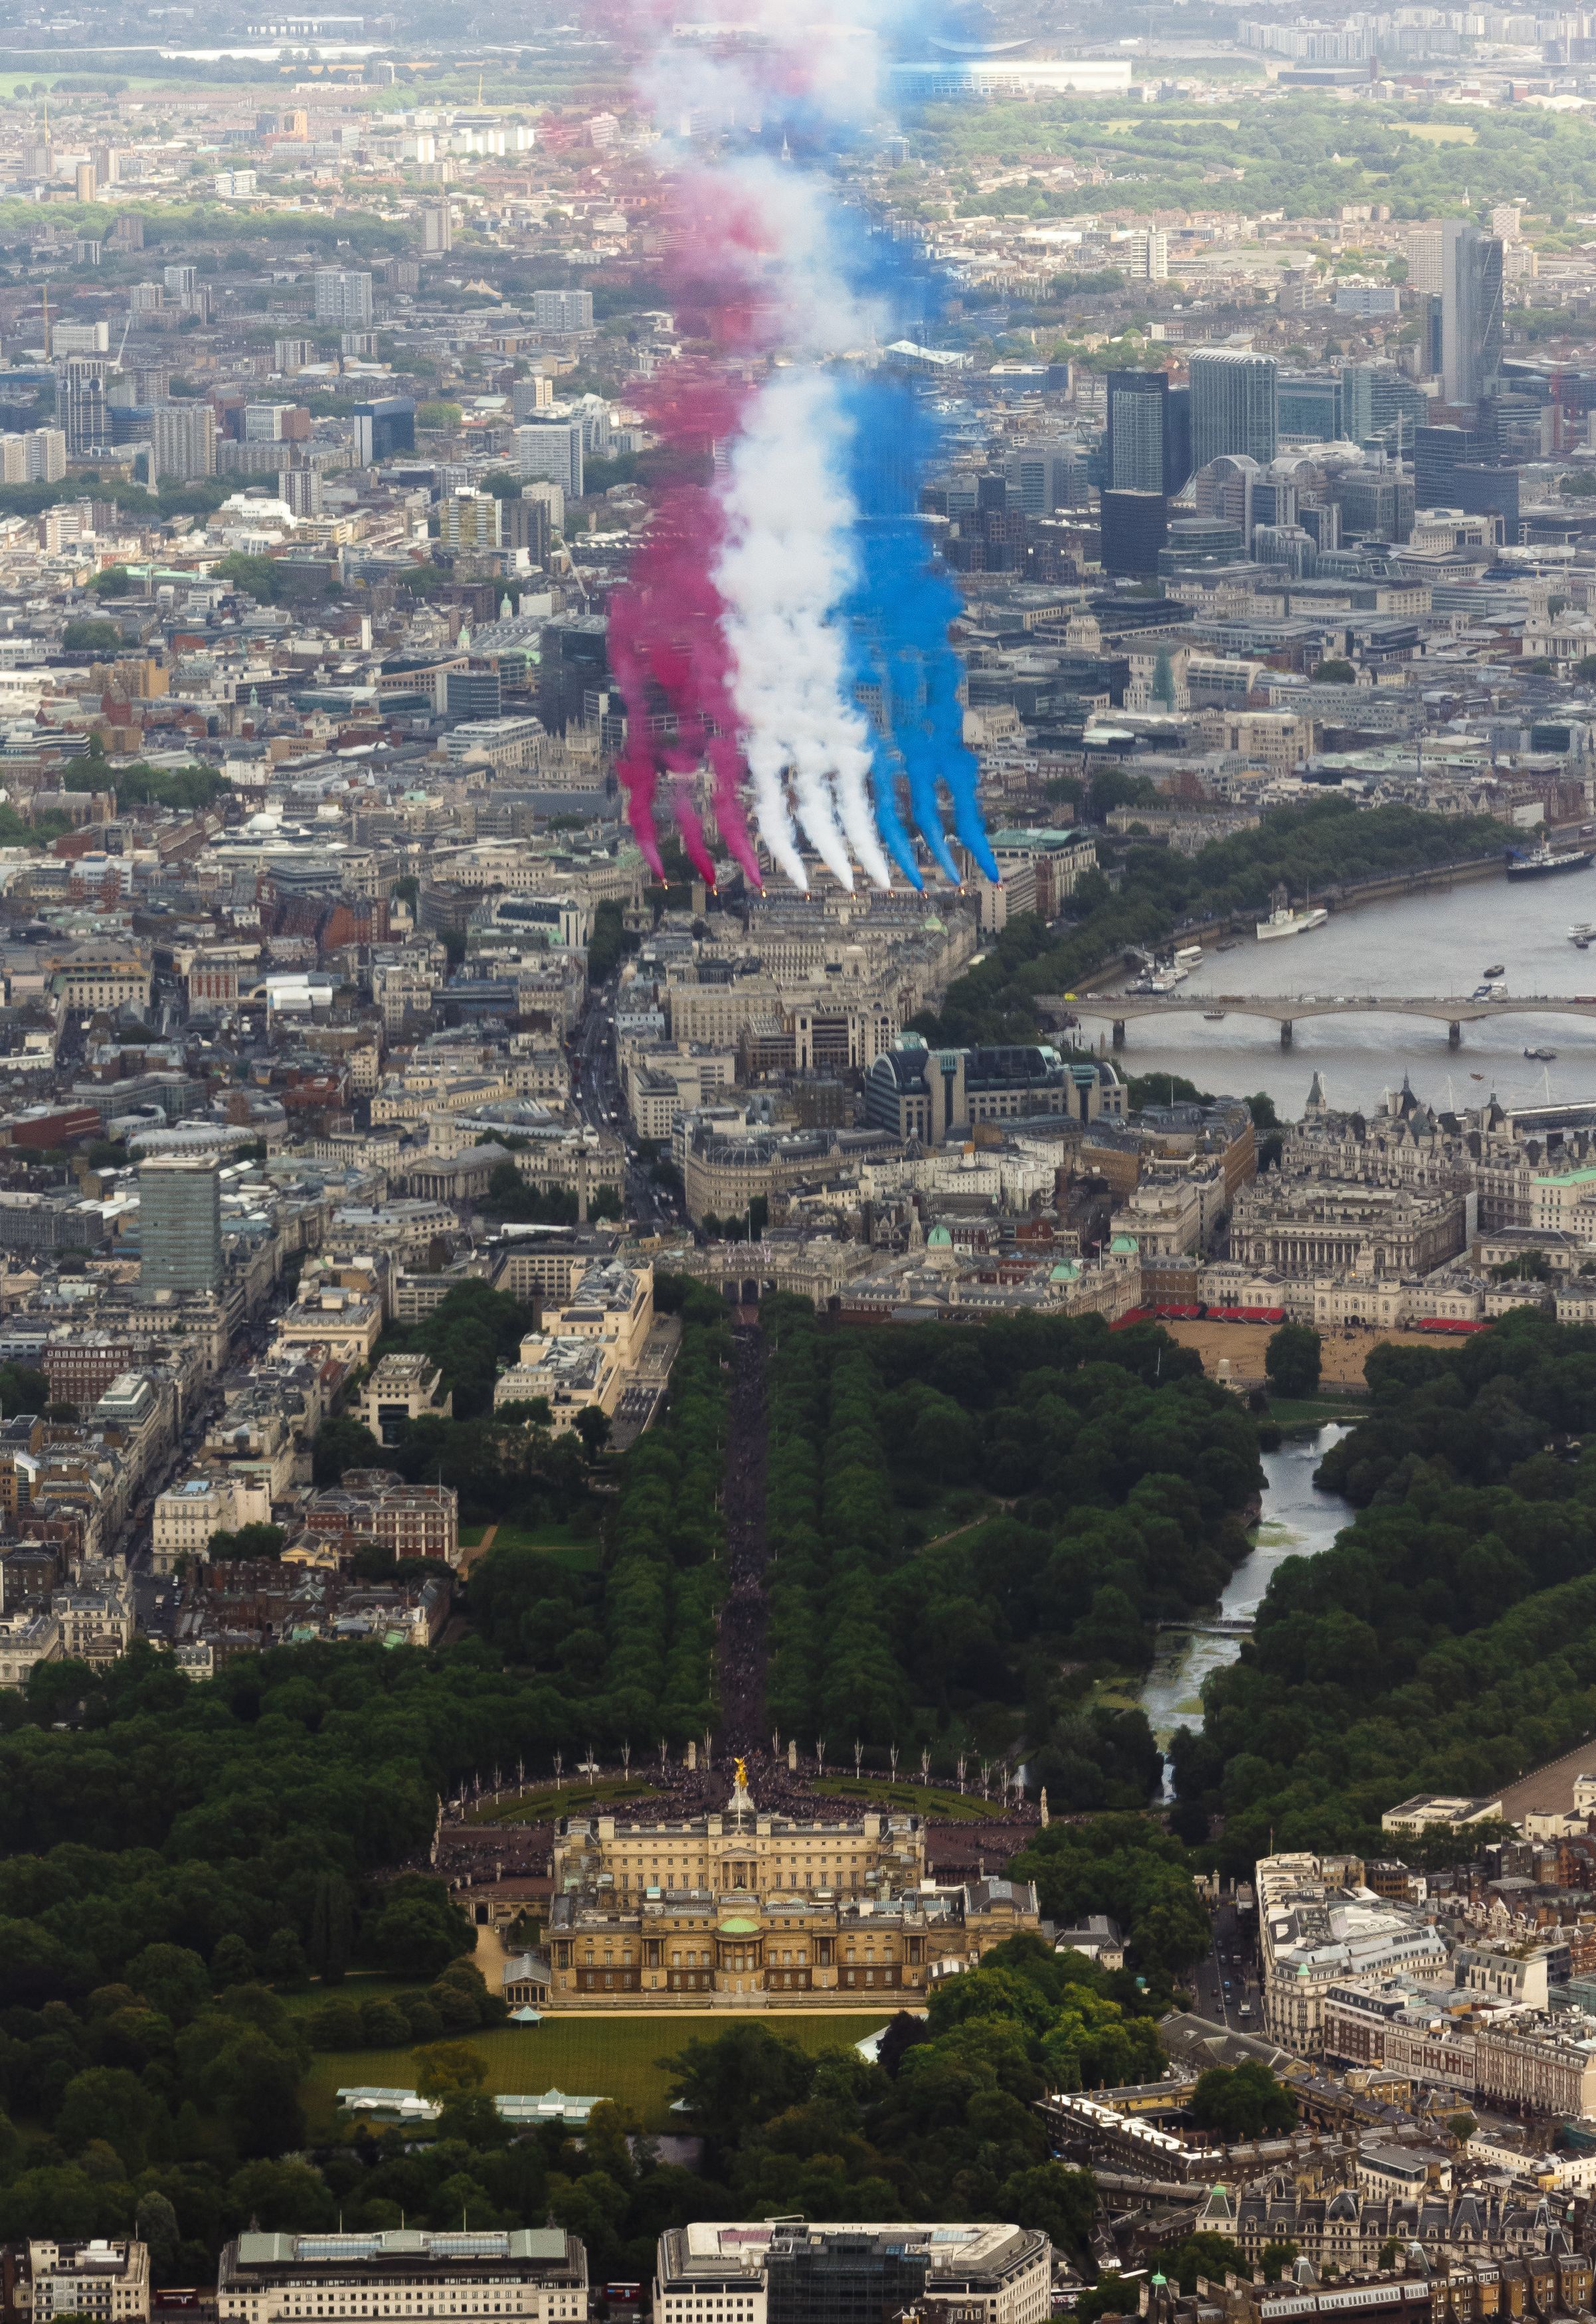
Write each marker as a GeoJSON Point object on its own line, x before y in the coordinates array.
{"type": "Point", "coordinates": [667, 639]}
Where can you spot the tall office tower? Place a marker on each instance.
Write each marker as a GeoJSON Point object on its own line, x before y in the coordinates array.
{"type": "Point", "coordinates": [184, 439]}
{"type": "Point", "coordinates": [1148, 444]}
{"type": "Point", "coordinates": [1471, 311]}
{"type": "Point", "coordinates": [528, 397]}
{"type": "Point", "coordinates": [525, 524]}
{"type": "Point", "coordinates": [300, 488]}
{"type": "Point", "coordinates": [438, 228]}
{"type": "Point", "coordinates": [1423, 256]}
{"type": "Point", "coordinates": [80, 401]}
{"type": "Point", "coordinates": [343, 297]}
{"type": "Point", "coordinates": [1376, 399]}
{"type": "Point", "coordinates": [1232, 404]}
{"type": "Point", "coordinates": [562, 310]}
{"type": "Point", "coordinates": [1134, 527]}
{"type": "Point", "coordinates": [1143, 255]}
{"type": "Point", "coordinates": [574, 671]}
{"type": "Point", "coordinates": [552, 449]}
{"type": "Point", "coordinates": [44, 456]}
{"type": "Point", "coordinates": [180, 279]}
{"type": "Point", "coordinates": [179, 1223]}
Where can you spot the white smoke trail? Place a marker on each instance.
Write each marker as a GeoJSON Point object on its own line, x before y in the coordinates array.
{"type": "Point", "coordinates": [828, 58]}
{"type": "Point", "coordinates": [767, 769]}
{"type": "Point", "coordinates": [788, 558]}
{"type": "Point", "coordinates": [784, 571]}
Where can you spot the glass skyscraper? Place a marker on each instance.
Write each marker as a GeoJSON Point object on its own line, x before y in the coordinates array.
{"type": "Point", "coordinates": [1471, 311]}
{"type": "Point", "coordinates": [1148, 444]}
{"type": "Point", "coordinates": [179, 1223]}
{"type": "Point", "coordinates": [1232, 404]}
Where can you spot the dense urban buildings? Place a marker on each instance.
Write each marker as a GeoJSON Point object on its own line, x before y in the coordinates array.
{"type": "Point", "coordinates": [604, 1420]}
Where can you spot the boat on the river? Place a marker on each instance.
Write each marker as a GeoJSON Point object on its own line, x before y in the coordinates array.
{"type": "Point", "coordinates": [1497, 971]}
{"type": "Point", "coordinates": [1541, 863]}
{"type": "Point", "coordinates": [1213, 1016]}
{"type": "Point", "coordinates": [1284, 922]}
{"type": "Point", "coordinates": [1541, 1056]}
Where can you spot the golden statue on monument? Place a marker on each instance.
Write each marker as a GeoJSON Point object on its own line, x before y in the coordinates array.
{"type": "Point", "coordinates": [742, 1775]}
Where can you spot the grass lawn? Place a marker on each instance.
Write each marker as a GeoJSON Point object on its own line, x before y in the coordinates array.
{"type": "Point", "coordinates": [923, 1799]}
{"type": "Point", "coordinates": [610, 2057]}
{"type": "Point", "coordinates": [560, 1544]}
{"type": "Point", "coordinates": [568, 1799]}
{"type": "Point", "coordinates": [1313, 1411]}
{"type": "Point", "coordinates": [541, 1536]}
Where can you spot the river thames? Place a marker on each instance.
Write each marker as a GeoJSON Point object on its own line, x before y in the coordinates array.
{"type": "Point", "coordinates": [1424, 945]}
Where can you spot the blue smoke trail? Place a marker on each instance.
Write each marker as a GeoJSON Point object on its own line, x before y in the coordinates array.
{"type": "Point", "coordinates": [908, 290]}
{"type": "Point", "coordinates": [899, 609]}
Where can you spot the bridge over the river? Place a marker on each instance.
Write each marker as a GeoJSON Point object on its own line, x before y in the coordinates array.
{"type": "Point", "coordinates": [1288, 1010]}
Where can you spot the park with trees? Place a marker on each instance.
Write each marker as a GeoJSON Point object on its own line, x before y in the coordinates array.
{"type": "Point", "coordinates": [203, 1885]}
{"type": "Point", "coordinates": [953, 1516]}
{"type": "Point", "coordinates": [1447, 1641]}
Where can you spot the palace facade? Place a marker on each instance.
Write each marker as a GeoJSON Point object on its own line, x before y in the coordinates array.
{"type": "Point", "coordinates": [747, 1909]}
